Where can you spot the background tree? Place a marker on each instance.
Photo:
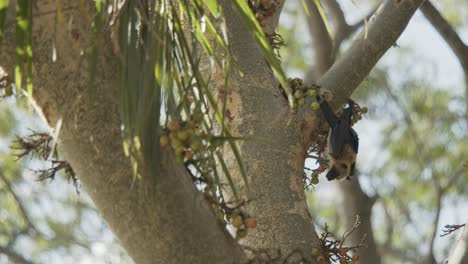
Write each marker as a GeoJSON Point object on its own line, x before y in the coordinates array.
{"type": "Point", "coordinates": [178, 129]}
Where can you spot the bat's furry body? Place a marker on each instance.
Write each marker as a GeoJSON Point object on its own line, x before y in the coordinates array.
{"type": "Point", "coordinates": [342, 142]}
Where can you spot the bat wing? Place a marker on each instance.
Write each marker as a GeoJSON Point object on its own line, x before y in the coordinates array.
{"type": "Point", "coordinates": [342, 134]}
{"type": "Point", "coordinates": [338, 139]}
{"type": "Point", "coordinates": [354, 140]}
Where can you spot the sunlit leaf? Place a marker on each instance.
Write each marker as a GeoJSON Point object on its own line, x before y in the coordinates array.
{"type": "Point", "coordinates": [212, 6]}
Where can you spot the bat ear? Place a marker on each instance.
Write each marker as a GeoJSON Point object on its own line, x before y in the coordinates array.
{"type": "Point", "coordinates": [332, 174]}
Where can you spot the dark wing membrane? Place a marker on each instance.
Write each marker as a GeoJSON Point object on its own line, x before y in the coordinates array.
{"type": "Point", "coordinates": [348, 113]}
{"type": "Point", "coordinates": [354, 140]}
{"type": "Point", "coordinates": [328, 113]}
{"type": "Point", "coordinates": [339, 136]}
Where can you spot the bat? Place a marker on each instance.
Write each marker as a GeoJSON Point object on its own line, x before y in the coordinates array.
{"type": "Point", "coordinates": [342, 142]}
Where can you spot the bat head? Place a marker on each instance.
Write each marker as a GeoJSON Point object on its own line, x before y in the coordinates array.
{"type": "Point", "coordinates": [343, 165]}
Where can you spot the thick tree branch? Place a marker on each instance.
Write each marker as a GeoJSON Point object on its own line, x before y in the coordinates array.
{"type": "Point", "coordinates": [321, 42]}
{"type": "Point", "coordinates": [342, 28]}
{"type": "Point", "coordinates": [19, 203]}
{"type": "Point", "coordinates": [383, 30]}
{"type": "Point", "coordinates": [447, 32]}
{"type": "Point", "coordinates": [337, 16]}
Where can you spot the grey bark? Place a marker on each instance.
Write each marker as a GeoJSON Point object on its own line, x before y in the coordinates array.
{"type": "Point", "coordinates": [323, 46]}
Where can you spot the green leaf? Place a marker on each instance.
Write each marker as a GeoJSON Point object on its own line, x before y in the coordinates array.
{"type": "Point", "coordinates": [212, 6]}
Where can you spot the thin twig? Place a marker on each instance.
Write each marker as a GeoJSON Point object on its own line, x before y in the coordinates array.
{"type": "Point", "coordinates": [450, 229]}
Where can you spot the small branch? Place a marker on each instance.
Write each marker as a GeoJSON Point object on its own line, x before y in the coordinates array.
{"type": "Point", "coordinates": [59, 165]}
{"type": "Point", "coordinates": [19, 203]}
{"type": "Point", "coordinates": [322, 42]}
{"type": "Point", "coordinates": [447, 32]}
{"type": "Point", "coordinates": [450, 229]}
{"type": "Point", "coordinates": [435, 224]}
{"type": "Point", "coordinates": [13, 256]}
{"type": "Point", "coordinates": [456, 174]}
{"type": "Point", "coordinates": [335, 249]}
{"type": "Point", "coordinates": [389, 228]}
{"type": "Point", "coordinates": [36, 144]}
{"type": "Point", "coordinates": [42, 145]}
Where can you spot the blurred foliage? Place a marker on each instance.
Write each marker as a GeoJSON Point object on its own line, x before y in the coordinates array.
{"type": "Point", "coordinates": [427, 148]}
{"type": "Point", "coordinates": [45, 221]}
{"type": "Point", "coordinates": [455, 11]}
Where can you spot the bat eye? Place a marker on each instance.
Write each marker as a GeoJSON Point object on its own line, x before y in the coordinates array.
{"type": "Point", "coordinates": [344, 166]}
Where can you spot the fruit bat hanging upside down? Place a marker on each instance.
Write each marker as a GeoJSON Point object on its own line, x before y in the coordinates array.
{"type": "Point", "coordinates": [342, 141]}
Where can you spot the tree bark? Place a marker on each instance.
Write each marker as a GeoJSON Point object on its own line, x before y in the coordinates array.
{"type": "Point", "coordinates": [324, 49]}
{"type": "Point", "coordinates": [446, 31]}
{"type": "Point", "coordinates": [273, 156]}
